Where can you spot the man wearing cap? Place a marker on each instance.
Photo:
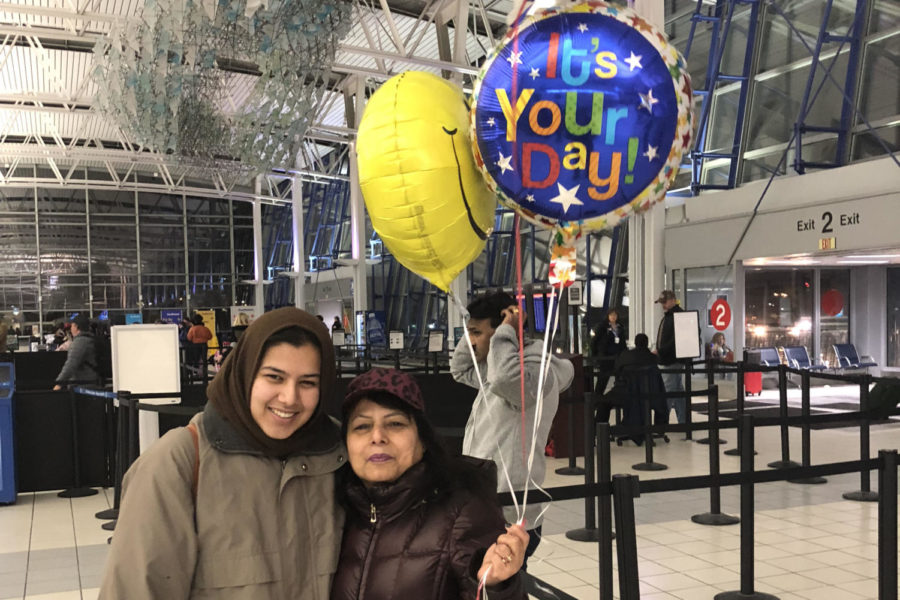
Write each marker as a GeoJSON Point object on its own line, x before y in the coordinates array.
{"type": "Point", "coordinates": [665, 349]}
{"type": "Point", "coordinates": [80, 365]}
{"type": "Point", "coordinates": [494, 428]}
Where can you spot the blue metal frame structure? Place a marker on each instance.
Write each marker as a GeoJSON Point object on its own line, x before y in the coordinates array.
{"type": "Point", "coordinates": [854, 37]}
{"type": "Point", "coordinates": [721, 21]}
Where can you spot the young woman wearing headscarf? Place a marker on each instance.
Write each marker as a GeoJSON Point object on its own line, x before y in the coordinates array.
{"type": "Point", "coordinates": [253, 513]}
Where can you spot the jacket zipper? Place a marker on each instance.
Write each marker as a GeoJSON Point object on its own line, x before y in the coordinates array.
{"type": "Point", "coordinates": [367, 562]}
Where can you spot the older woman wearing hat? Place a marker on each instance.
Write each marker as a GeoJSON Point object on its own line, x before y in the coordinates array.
{"type": "Point", "coordinates": [241, 503]}
{"type": "Point", "coordinates": [420, 524]}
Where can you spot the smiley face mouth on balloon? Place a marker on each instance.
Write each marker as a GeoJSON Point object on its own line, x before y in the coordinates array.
{"type": "Point", "coordinates": [478, 231]}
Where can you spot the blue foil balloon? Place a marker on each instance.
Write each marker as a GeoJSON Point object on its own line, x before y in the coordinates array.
{"type": "Point", "coordinates": [582, 115]}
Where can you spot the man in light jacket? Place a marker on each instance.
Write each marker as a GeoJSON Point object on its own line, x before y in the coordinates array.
{"type": "Point", "coordinates": [494, 428]}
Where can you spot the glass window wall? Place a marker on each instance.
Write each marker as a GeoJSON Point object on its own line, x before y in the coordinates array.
{"type": "Point", "coordinates": [834, 310]}
{"type": "Point", "coordinates": [779, 308]}
{"type": "Point", "coordinates": [893, 317]}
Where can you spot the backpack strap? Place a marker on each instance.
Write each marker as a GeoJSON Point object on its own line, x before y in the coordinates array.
{"type": "Point", "coordinates": [196, 437]}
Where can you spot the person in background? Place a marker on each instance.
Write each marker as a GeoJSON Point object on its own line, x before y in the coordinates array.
{"type": "Point", "coordinates": [639, 356]}
{"type": "Point", "coordinates": [665, 350]}
{"type": "Point", "coordinates": [336, 324]}
{"type": "Point", "coordinates": [4, 332]}
{"type": "Point", "coordinates": [496, 416]}
{"type": "Point", "coordinates": [244, 506]}
{"type": "Point", "coordinates": [63, 337]}
{"type": "Point", "coordinates": [718, 349]}
{"type": "Point", "coordinates": [79, 365]}
{"type": "Point", "coordinates": [608, 342]}
{"type": "Point", "coordinates": [198, 337]}
{"type": "Point", "coordinates": [420, 524]}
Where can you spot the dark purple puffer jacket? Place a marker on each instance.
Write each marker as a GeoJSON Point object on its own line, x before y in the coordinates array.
{"type": "Point", "coordinates": [407, 541]}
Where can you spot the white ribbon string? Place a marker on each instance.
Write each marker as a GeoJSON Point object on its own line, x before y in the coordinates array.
{"type": "Point", "coordinates": [482, 398]}
{"type": "Point", "coordinates": [549, 332]}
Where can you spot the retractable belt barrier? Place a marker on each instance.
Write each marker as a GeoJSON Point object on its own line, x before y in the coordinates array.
{"type": "Point", "coordinates": [127, 447]}
{"type": "Point", "coordinates": [624, 488]}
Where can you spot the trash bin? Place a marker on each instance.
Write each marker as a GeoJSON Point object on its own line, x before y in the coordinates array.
{"type": "Point", "coordinates": [7, 460]}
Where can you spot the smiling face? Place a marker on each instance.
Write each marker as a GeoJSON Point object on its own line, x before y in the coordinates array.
{"type": "Point", "coordinates": [285, 391]}
{"type": "Point", "coordinates": [382, 442]}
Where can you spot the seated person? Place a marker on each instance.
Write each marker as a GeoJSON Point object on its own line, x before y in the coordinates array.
{"type": "Point", "coordinates": [719, 350]}
{"type": "Point", "coordinates": [629, 366]}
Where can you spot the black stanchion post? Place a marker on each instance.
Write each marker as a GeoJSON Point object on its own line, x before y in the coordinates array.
{"type": "Point", "coordinates": [397, 359]}
{"type": "Point", "coordinates": [709, 388]}
{"type": "Point", "coordinates": [710, 375]}
{"type": "Point", "coordinates": [865, 493]}
{"type": "Point", "coordinates": [114, 436]}
{"type": "Point", "coordinates": [805, 441]}
{"type": "Point", "coordinates": [715, 515]}
{"type": "Point", "coordinates": [604, 511]}
{"type": "Point", "coordinates": [572, 468]}
{"type": "Point", "coordinates": [740, 404]}
{"type": "Point", "coordinates": [688, 386]}
{"type": "Point", "coordinates": [589, 533]}
{"type": "Point", "coordinates": [625, 489]}
{"type": "Point", "coordinates": [123, 456]}
{"type": "Point", "coordinates": [887, 525]}
{"type": "Point", "coordinates": [785, 462]}
{"type": "Point", "coordinates": [76, 491]}
{"type": "Point", "coordinates": [648, 464]}
{"type": "Point", "coordinates": [748, 520]}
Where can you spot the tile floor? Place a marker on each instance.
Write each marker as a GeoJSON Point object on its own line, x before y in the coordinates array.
{"type": "Point", "coordinates": [810, 543]}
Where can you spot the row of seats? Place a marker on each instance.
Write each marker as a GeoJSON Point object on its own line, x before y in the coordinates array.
{"type": "Point", "coordinates": [798, 358]}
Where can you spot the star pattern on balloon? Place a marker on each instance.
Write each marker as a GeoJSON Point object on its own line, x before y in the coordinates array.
{"type": "Point", "coordinates": [647, 101]}
{"type": "Point", "coordinates": [566, 197]}
{"type": "Point", "coordinates": [532, 193]}
{"type": "Point", "coordinates": [491, 121]}
{"type": "Point", "coordinates": [634, 62]}
{"type": "Point", "coordinates": [503, 163]}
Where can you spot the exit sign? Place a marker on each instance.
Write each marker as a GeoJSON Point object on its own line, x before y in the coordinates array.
{"type": "Point", "coordinates": [828, 243]}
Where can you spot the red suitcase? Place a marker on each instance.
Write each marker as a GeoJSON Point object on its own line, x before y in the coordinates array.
{"type": "Point", "coordinates": [753, 383]}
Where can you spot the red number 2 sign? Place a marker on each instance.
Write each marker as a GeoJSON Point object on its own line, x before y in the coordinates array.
{"type": "Point", "coordinates": [720, 314]}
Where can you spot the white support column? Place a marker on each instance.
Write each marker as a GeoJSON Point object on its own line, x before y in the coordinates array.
{"type": "Point", "coordinates": [459, 287]}
{"type": "Point", "coordinates": [258, 267]}
{"type": "Point", "coordinates": [652, 10]}
{"type": "Point", "coordinates": [358, 215]}
{"type": "Point", "coordinates": [646, 264]}
{"type": "Point", "coordinates": [460, 28]}
{"type": "Point", "coordinates": [299, 258]}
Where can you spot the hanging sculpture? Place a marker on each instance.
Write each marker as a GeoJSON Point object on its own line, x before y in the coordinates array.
{"type": "Point", "coordinates": [209, 82]}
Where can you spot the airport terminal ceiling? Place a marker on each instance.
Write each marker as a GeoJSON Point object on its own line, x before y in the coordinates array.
{"type": "Point", "coordinates": [67, 169]}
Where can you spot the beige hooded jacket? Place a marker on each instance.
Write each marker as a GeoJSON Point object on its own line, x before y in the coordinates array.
{"type": "Point", "coordinates": [285, 543]}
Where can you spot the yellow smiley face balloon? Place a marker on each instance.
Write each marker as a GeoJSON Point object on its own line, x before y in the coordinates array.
{"type": "Point", "coordinates": [425, 196]}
